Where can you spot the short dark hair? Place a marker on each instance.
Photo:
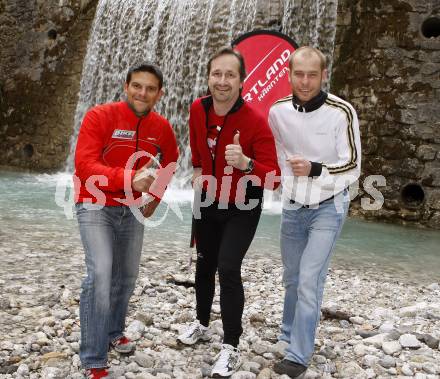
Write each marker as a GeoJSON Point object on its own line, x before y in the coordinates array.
{"type": "Point", "coordinates": [230, 51]}
{"type": "Point", "coordinates": [146, 67]}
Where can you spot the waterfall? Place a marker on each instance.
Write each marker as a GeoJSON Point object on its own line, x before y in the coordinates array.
{"type": "Point", "coordinates": [180, 35]}
{"type": "Point", "coordinates": [313, 23]}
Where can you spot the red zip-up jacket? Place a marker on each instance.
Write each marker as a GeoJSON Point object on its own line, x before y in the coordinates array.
{"type": "Point", "coordinates": [257, 143]}
{"type": "Point", "coordinates": [108, 137]}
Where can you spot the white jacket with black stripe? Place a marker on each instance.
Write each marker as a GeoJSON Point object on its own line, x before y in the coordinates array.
{"type": "Point", "coordinates": [324, 131]}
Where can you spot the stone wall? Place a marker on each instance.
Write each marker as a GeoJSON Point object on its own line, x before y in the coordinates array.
{"type": "Point", "coordinates": [43, 43]}
{"type": "Point", "coordinates": [387, 64]}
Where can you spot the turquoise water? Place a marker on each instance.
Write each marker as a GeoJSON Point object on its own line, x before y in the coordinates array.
{"type": "Point", "coordinates": [31, 207]}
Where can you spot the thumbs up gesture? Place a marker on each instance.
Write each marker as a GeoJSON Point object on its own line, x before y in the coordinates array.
{"type": "Point", "coordinates": [234, 155]}
{"type": "Point", "coordinates": [236, 139]}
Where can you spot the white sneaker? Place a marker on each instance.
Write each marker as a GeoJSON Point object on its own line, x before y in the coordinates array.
{"type": "Point", "coordinates": [227, 362]}
{"type": "Point", "coordinates": [195, 332]}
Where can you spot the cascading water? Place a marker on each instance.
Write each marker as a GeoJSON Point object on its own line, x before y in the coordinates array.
{"type": "Point", "coordinates": [313, 23]}
{"type": "Point", "coordinates": [180, 35]}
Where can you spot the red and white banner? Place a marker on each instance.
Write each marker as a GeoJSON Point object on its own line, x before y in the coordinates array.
{"type": "Point", "coordinates": [266, 54]}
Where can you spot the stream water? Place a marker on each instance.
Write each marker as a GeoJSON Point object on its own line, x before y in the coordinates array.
{"type": "Point", "coordinates": [34, 207]}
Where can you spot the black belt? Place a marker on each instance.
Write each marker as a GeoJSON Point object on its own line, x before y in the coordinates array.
{"type": "Point", "coordinates": [291, 201]}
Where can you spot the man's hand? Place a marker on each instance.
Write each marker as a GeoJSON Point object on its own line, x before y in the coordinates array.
{"type": "Point", "coordinates": [234, 155]}
{"type": "Point", "coordinates": [148, 209]}
{"type": "Point", "coordinates": [142, 179]}
{"type": "Point", "coordinates": [195, 182]}
{"type": "Point", "coordinates": [300, 166]}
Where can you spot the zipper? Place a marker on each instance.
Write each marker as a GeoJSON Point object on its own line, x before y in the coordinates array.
{"type": "Point", "coordinates": [137, 141]}
{"type": "Point", "coordinates": [216, 144]}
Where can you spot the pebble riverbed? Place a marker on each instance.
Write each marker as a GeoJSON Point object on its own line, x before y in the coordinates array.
{"type": "Point", "coordinates": [374, 324]}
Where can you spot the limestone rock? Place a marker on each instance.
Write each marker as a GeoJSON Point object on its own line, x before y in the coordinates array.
{"type": "Point", "coordinates": [391, 347]}
{"type": "Point", "coordinates": [351, 370]}
{"type": "Point", "coordinates": [409, 341]}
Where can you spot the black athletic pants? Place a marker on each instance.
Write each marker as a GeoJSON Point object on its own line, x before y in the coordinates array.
{"type": "Point", "coordinates": [223, 237]}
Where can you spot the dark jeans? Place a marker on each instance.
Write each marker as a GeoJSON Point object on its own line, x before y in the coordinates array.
{"type": "Point", "coordinates": [223, 237]}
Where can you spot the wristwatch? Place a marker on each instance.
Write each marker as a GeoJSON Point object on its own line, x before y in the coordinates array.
{"type": "Point", "coordinates": [249, 167]}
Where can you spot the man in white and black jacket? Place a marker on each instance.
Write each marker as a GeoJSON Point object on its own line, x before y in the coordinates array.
{"type": "Point", "coordinates": [319, 153]}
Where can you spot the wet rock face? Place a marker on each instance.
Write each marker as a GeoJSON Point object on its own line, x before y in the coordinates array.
{"type": "Point", "coordinates": [387, 64]}
{"type": "Point", "coordinates": [46, 43]}
{"type": "Point", "coordinates": [43, 45]}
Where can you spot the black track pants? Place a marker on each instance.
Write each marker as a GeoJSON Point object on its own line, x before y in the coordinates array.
{"type": "Point", "coordinates": [223, 237]}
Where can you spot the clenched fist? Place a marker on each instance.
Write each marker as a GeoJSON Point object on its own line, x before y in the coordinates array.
{"type": "Point", "coordinates": [300, 165]}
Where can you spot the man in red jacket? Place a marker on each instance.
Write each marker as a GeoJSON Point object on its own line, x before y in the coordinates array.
{"type": "Point", "coordinates": [234, 159]}
{"type": "Point", "coordinates": [116, 144]}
